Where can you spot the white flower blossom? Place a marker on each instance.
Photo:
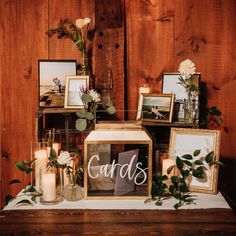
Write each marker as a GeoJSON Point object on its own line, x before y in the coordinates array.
{"type": "Point", "coordinates": [95, 95]}
{"type": "Point", "coordinates": [187, 68]}
{"type": "Point", "coordinates": [80, 23]}
{"type": "Point", "coordinates": [64, 158]}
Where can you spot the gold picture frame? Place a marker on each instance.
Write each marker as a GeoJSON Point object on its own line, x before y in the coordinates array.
{"type": "Point", "coordinates": [186, 141]}
{"type": "Point", "coordinates": [73, 91]}
{"type": "Point", "coordinates": [156, 107]}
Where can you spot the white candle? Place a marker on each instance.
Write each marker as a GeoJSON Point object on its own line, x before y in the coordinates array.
{"type": "Point", "coordinates": [48, 151]}
{"type": "Point", "coordinates": [49, 186]}
{"type": "Point", "coordinates": [165, 165]}
{"type": "Point", "coordinates": [40, 165]}
{"type": "Point", "coordinates": [144, 90]}
{"type": "Point", "coordinates": [56, 147]}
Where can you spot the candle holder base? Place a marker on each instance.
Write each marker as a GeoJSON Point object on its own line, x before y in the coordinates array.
{"type": "Point", "coordinates": [53, 202]}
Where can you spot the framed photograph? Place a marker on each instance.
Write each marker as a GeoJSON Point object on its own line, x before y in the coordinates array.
{"type": "Point", "coordinates": [52, 77]}
{"type": "Point", "coordinates": [186, 141]}
{"type": "Point", "coordinates": [170, 85]}
{"type": "Point", "coordinates": [73, 91]}
{"type": "Point", "coordinates": [156, 107]}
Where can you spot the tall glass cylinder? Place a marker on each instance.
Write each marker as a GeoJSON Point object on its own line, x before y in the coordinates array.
{"type": "Point", "coordinates": [188, 108]}
{"type": "Point", "coordinates": [51, 186]}
{"type": "Point", "coordinates": [40, 151]}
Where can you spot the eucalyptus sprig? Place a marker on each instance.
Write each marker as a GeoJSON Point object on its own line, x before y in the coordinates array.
{"type": "Point", "coordinates": [188, 165]}
{"type": "Point", "coordinates": [87, 114]}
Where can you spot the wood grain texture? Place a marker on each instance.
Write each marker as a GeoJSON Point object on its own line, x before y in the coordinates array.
{"type": "Point", "coordinates": [108, 52]}
{"type": "Point", "coordinates": [22, 23]}
{"type": "Point", "coordinates": [203, 31]}
{"type": "Point", "coordinates": [114, 222]}
{"type": "Point", "coordinates": [72, 9]}
{"type": "Point", "coordinates": [150, 45]}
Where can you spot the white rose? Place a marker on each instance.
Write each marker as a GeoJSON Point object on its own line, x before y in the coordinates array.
{"type": "Point", "coordinates": [87, 20]}
{"type": "Point", "coordinates": [64, 158]}
{"type": "Point", "coordinates": [187, 68]}
{"type": "Point", "coordinates": [79, 23]}
{"type": "Point", "coordinates": [95, 95]}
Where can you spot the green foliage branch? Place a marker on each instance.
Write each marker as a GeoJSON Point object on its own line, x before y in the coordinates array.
{"type": "Point", "coordinates": [188, 165]}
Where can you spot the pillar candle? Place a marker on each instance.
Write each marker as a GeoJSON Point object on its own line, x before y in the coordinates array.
{"type": "Point", "coordinates": [49, 186]}
{"type": "Point", "coordinates": [144, 90]}
{"type": "Point", "coordinates": [40, 165]}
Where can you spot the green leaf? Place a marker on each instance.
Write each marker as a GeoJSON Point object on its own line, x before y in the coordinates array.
{"type": "Point", "coordinates": [14, 181]}
{"type": "Point", "coordinates": [81, 124]}
{"type": "Point", "coordinates": [164, 177]}
{"type": "Point", "coordinates": [89, 116]}
{"type": "Point", "coordinates": [184, 173]}
{"type": "Point", "coordinates": [20, 165]}
{"type": "Point", "coordinates": [154, 189]}
{"type": "Point", "coordinates": [150, 200]}
{"type": "Point", "coordinates": [209, 157]}
{"type": "Point", "coordinates": [81, 113]}
{"type": "Point", "coordinates": [8, 198]}
{"type": "Point", "coordinates": [86, 97]}
{"type": "Point", "coordinates": [30, 189]}
{"type": "Point", "coordinates": [53, 154]}
{"type": "Point", "coordinates": [111, 110]}
{"type": "Point", "coordinates": [33, 199]}
{"type": "Point", "coordinates": [171, 188]}
{"type": "Point", "coordinates": [188, 163]}
{"type": "Point", "coordinates": [217, 163]}
{"type": "Point", "coordinates": [196, 152]}
{"type": "Point", "coordinates": [24, 202]}
{"type": "Point", "coordinates": [32, 162]}
{"type": "Point", "coordinates": [158, 203]}
{"type": "Point", "coordinates": [174, 179]}
{"type": "Point", "coordinates": [183, 188]}
{"type": "Point", "coordinates": [198, 162]}
{"type": "Point", "coordinates": [187, 157]}
{"type": "Point", "coordinates": [199, 173]}
{"type": "Point", "coordinates": [214, 111]}
{"type": "Point", "coordinates": [177, 205]}
{"type": "Point", "coordinates": [170, 169]}
{"type": "Point", "coordinates": [179, 163]}
{"type": "Point", "coordinates": [28, 171]}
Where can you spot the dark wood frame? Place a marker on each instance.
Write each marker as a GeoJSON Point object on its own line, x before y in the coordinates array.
{"type": "Point", "coordinates": [153, 95]}
{"type": "Point", "coordinates": [63, 79]}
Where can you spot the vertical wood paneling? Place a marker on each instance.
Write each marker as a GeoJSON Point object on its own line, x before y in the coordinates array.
{"type": "Point", "coordinates": [23, 43]}
{"type": "Point", "coordinates": [72, 9]}
{"type": "Point", "coordinates": [108, 52]}
{"type": "Point", "coordinates": [150, 47]}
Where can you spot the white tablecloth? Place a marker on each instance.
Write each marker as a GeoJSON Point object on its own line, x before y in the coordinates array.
{"type": "Point", "coordinates": [203, 201]}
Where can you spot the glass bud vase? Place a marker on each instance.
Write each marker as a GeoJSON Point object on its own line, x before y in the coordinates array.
{"type": "Point", "coordinates": [188, 108]}
{"type": "Point", "coordinates": [72, 192]}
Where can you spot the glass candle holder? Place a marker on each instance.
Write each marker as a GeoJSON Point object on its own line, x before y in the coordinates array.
{"type": "Point", "coordinates": [51, 186]}
{"type": "Point", "coordinates": [39, 151]}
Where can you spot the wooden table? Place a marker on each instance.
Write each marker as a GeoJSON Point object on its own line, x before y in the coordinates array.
{"type": "Point", "coordinates": [118, 222]}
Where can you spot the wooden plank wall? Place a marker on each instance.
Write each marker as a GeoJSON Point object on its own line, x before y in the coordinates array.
{"type": "Point", "coordinates": [156, 36]}
{"type": "Point", "coordinates": [161, 34]}
{"type": "Point", "coordinates": [24, 42]}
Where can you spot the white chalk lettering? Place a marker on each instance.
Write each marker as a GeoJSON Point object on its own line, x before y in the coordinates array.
{"type": "Point", "coordinates": [125, 170]}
